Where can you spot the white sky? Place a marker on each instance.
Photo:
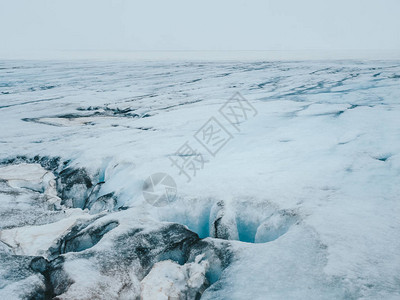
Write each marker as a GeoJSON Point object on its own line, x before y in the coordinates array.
{"type": "Point", "coordinates": [49, 26]}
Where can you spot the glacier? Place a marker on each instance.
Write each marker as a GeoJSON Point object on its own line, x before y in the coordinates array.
{"type": "Point", "coordinates": [301, 202]}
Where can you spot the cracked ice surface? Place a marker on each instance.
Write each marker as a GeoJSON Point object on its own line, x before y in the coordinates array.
{"type": "Point", "coordinates": [302, 203]}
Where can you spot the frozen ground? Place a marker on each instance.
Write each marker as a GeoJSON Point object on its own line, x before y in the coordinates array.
{"type": "Point", "coordinates": [303, 202]}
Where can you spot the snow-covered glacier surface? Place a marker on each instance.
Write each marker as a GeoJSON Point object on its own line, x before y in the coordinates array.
{"type": "Point", "coordinates": [301, 201]}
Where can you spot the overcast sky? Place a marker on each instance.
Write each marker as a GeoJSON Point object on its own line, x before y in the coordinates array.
{"type": "Point", "coordinates": [48, 26]}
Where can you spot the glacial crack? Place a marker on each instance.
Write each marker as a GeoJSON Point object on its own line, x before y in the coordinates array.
{"type": "Point", "coordinates": [87, 232]}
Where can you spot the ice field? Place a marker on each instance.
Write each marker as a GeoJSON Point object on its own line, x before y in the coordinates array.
{"type": "Point", "coordinates": [287, 190]}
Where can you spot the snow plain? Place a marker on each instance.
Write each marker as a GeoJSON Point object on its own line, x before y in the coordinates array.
{"type": "Point", "coordinates": [306, 193]}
